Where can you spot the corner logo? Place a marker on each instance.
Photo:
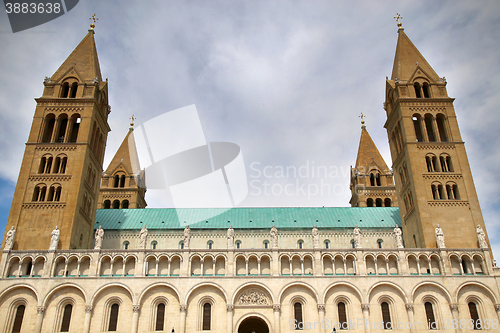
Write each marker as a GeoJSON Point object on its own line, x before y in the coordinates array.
{"type": "Point", "coordinates": [173, 150]}
{"type": "Point", "coordinates": [29, 14]}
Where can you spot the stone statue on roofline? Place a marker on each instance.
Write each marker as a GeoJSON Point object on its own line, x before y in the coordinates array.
{"type": "Point", "coordinates": [143, 237]}
{"type": "Point", "coordinates": [315, 237]}
{"type": "Point", "coordinates": [439, 237]}
{"type": "Point", "coordinates": [274, 237]}
{"type": "Point", "coordinates": [357, 237]}
{"type": "Point", "coordinates": [187, 237]}
{"type": "Point", "coordinates": [481, 237]}
{"type": "Point", "coordinates": [54, 238]}
{"type": "Point", "coordinates": [398, 236]}
{"type": "Point", "coordinates": [230, 237]}
{"type": "Point", "coordinates": [9, 238]}
{"type": "Point", "coordinates": [99, 235]}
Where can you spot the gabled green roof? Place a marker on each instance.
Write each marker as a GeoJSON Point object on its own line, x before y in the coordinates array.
{"type": "Point", "coordinates": [248, 218]}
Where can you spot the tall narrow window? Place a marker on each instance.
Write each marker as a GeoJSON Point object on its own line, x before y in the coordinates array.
{"type": "Point", "coordinates": [41, 168]}
{"type": "Point", "coordinates": [297, 311]}
{"type": "Point", "coordinates": [427, 90]}
{"type": "Point", "coordinates": [65, 90]}
{"type": "Point", "coordinates": [50, 196]}
{"type": "Point", "coordinates": [62, 124]}
{"type": "Point", "coordinates": [66, 318]}
{"type": "Point", "coordinates": [74, 88]}
{"type": "Point", "coordinates": [117, 181]}
{"type": "Point", "coordinates": [377, 179]}
{"type": "Point", "coordinates": [428, 125]}
{"type": "Point", "coordinates": [113, 317]}
{"type": "Point", "coordinates": [418, 92]}
{"type": "Point", "coordinates": [207, 316]}
{"type": "Point", "coordinates": [342, 315]}
{"type": "Point", "coordinates": [36, 193]}
{"type": "Point", "coordinates": [448, 164]}
{"type": "Point", "coordinates": [48, 166]}
{"type": "Point", "coordinates": [57, 165]}
{"type": "Point", "coordinates": [417, 127]}
{"type": "Point", "coordinates": [386, 316]}
{"type": "Point", "coordinates": [456, 194]}
{"type": "Point", "coordinates": [160, 317]}
{"type": "Point", "coordinates": [449, 192]}
{"type": "Point", "coordinates": [18, 320]}
{"type": "Point", "coordinates": [431, 320]}
{"type": "Point", "coordinates": [474, 315]}
{"type": "Point", "coordinates": [428, 161]}
{"type": "Point", "coordinates": [50, 121]}
{"type": "Point", "coordinates": [444, 167]}
{"type": "Point", "coordinates": [372, 179]}
{"type": "Point", "coordinates": [64, 161]}
{"type": "Point", "coordinates": [122, 181]}
{"type": "Point", "coordinates": [75, 127]}
{"type": "Point", "coordinates": [441, 127]}
{"type": "Point", "coordinates": [42, 194]}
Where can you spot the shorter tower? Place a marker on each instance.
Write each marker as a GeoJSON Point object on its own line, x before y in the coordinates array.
{"type": "Point", "coordinates": [372, 184]}
{"type": "Point", "coordinates": [123, 183]}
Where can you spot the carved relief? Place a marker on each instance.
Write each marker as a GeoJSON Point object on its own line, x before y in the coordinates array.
{"type": "Point", "coordinates": [253, 297]}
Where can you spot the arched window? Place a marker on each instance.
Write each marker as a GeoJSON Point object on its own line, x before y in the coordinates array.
{"type": "Point", "coordinates": [474, 315]}
{"type": "Point", "coordinates": [43, 162]}
{"type": "Point", "coordinates": [64, 161]}
{"type": "Point", "coordinates": [238, 244]}
{"type": "Point", "coordinates": [431, 162]}
{"type": "Point", "coordinates": [386, 315]}
{"type": "Point", "coordinates": [125, 245]}
{"type": "Point", "coordinates": [113, 317]}
{"type": "Point", "coordinates": [387, 202]}
{"type": "Point", "coordinates": [125, 204]}
{"type": "Point", "coordinates": [441, 192]}
{"type": "Point", "coordinates": [427, 90]}
{"type": "Point", "coordinates": [353, 244]}
{"type": "Point", "coordinates": [74, 88]}
{"type": "Point", "coordinates": [456, 194]}
{"type": "Point", "coordinates": [64, 90]}
{"type": "Point", "coordinates": [160, 317]}
{"type": "Point", "coordinates": [210, 245]}
{"type": "Point", "coordinates": [107, 204]}
{"type": "Point", "coordinates": [116, 204]}
{"type": "Point", "coordinates": [379, 243]}
{"type": "Point", "coordinates": [300, 244]}
{"type": "Point", "coordinates": [154, 244]}
{"type": "Point", "coordinates": [207, 316]}
{"type": "Point", "coordinates": [75, 127]}
{"type": "Point", "coordinates": [57, 165]}
{"type": "Point", "coordinates": [117, 181]}
{"type": "Point", "coordinates": [440, 120]}
{"type": "Point", "coordinates": [378, 202]}
{"type": "Point", "coordinates": [369, 202]}
{"type": "Point", "coordinates": [18, 319]}
{"type": "Point", "coordinates": [50, 196]}
{"type": "Point", "coordinates": [48, 166]}
{"type": "Point", "coordinates": [39, 193]}
{"type": "Point", "coordinates": [181, 245]}
{"type": "Point", "coordinates": [327, 244]}
{"type": "Point", "coordinates": [431, 319]}
{"type": "Point", "coordinates": [266, 244]}
{"type": "Point", "coordinates": [297, 313]}
{"type": "Point", "coordinates": [417, 121]}
{"type": "Point", "coordinates": [66, 318]}
{"type": "Point", "coordinates": [428, 125]}
{"type": "Point", "coordinates": [342, 315]}
{"type": "Point", "coordinates": [62, 123]}
{"type": "Point", "coordinates": [50, 121]}
{"type": "Point", "coordinates": [372, 179]}
{"type": "Point", "coordinates": [418, 92]}
{"type": "Point", "coordinates": [122, 181]}
{"type": "Point", "coordinates": [435, 194]}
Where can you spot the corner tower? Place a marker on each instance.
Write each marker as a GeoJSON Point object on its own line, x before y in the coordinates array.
{"type": "Point", "coordinates": [433, 177]}
{"type": "Point", "coordinates": [123, 184]}
{"type": "Point", "coordinates": [372, 184]}
{"type": "Point", "coordinates": [59, 179]}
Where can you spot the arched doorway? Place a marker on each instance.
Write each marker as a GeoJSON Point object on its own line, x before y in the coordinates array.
{"type": "Point", "coordinates": [253, 325]}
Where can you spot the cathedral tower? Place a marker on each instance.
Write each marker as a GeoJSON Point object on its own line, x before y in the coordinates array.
{"type": "Point", "coordinates": [372, 184]}
{"type": "Point", "coordinates": [123, 183]}
{"type": "Point", "coordinates": [58, 183]}
{"type": "Point", "coordinates": [433, 178]}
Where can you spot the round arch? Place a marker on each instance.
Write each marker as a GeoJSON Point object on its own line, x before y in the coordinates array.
{"type": "Point", "coordinates": [434, 284]}
{"type": "Point", "coordinates": [158, 284]}
{"type": "Point", "coordinates": [478, 284]}
{"type": "Point", "coordinates": [250, 284]}
{"type": "Point", "coordinates": [21, 285]}
{"type": "Point", "coordinates": [109, 285]}
{"type": "Point", "coordinates": [202, 284]}
{"type": "Point", "coordinates": [390, 284]}
{"type": "Point", "coordinates": [253, 315]}
{"type": "Point", "coordinates": [342, 283]}
{"type": "Point", "coordinates": [64, 285]}
{"type": "Point", "coordinates": [303, 284]}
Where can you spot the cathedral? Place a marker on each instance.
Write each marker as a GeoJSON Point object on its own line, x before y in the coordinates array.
{"type": "Point", "coordinates": [82, 253]}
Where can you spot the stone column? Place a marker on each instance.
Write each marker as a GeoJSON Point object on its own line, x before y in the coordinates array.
{"type": "Point", "coordinates": [276, 309]}
{"type": "Point", "coordinates": [39, 319]}
{"type": "Point", "coordinates": [124, 263]}
{"type": "Point", "coordinates": [376, 266]}
{"type": "Point", "coordinates": [366, 316]}
{"type": "Point", "coordinates": [410, 311]}
{"type": "Point", "coordinates": [302, 266]}
{"type": "Point", "coordinates": [258, 267]}
{"type": "Point", "coordinates": [360, 263]}
{"type": "Point", "coordinates": [454, 315]}
{"type": "Point", "coordinates": [246, 266]}
{"type": "Point", "coordinates": [418, 266]}
{"type": "Point", "coordinates": [88, 317]}
{"type": "Point", "coordinates": [345, 266]}
{"type": "Point", "coordinates": [321, 312]}
{"type": "Point", "coordinates": [135, 318]}
{"type": "Point", "coordinates": [183, 309]}
{"type": "Point", "coordinates": [230, 312]}
{"type": "Point", "coordinates": [77, 268]}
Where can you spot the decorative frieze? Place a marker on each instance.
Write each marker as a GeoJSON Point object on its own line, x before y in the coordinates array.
{"type": "Point", "coordinates": [448, 203]}
{"type": "Point", "coordinates": [253, 297]}
{"type": "Point", "coordinates": [44, 205]}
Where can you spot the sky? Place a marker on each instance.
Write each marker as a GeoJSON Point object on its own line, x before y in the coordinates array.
{"type": "Point", "coordinates": [284, 80]}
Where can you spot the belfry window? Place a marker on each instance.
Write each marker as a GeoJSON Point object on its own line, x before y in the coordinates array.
{"type": "Point", "coordinates": [18, 319]}
{"type": "Point", "coordinates": [50, 121]}
{"type": "Point", "coordinates": [417, 120]}
{"type": "Point", "coordinates": [428, 125]}
{"type": "Point", "coordinates": [369, 202]}
{"type": "Point", "coordinates": [107, 204]}
{"type": "Point", "coordinates": [426, 89]}
{"type": "Point", "coordinates": [66, 320]}
{"type": "Point", "coordinates": [297, 311]}
{"type": "Point", "coordinates": [116, 204]}
{"type": "Point", "coordinates": [117, 181]}
{"type": "Point", "coordinates": [386, 315]}
{"type": "Point", "coordinates": [440, 119]}
{"type": "Point", "coordinates": [207, 317]}
{"type": "Point", "coordinates": [474, 315]}
{"type": "Point", "coordinates": [160, 317]}
{"type": "Point", "coordinates": [418, 91]}
{"type": "Point", "coordinates": [342, 315]}
{"type": "Point", "coordinates": [387, 202]}
{"type": "Point", "coordinates": [74, 88]}
{"type": "Point", "coordinates": [113, 317]}
{"type": "Point", "coordinates": [431, 319]}
{"type": "Point", "coordinates": [64, 90]}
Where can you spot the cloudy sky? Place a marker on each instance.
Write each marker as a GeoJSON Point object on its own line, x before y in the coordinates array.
{"type": "Point", "coordinates": [285, 80]}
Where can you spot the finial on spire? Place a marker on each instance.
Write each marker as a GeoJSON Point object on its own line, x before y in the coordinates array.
{"type": "Point", "coordinates": [132, 123]}
{"type": "Point", "coordinates": [92, 25]}
{"type": "Point", "coordinates": [398, 19]}
{"type": "Point", "coordinates": [362, 120]}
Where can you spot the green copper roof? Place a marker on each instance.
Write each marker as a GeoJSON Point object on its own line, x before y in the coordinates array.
{"type": "Point", "coordinates": [248, 218]}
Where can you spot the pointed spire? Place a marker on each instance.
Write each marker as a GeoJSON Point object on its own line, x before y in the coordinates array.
{"type": "Point", "coordinates": [126, 156]}
{"type": "Point", "coordinates": [368, 153]}
{"type": "Point", "coordinates": [83, 60]}
{"type": "Point", "coordinates": [408, 58]}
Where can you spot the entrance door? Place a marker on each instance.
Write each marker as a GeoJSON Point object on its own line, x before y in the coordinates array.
{"type": "Point", "coordinates": [253, 325]}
